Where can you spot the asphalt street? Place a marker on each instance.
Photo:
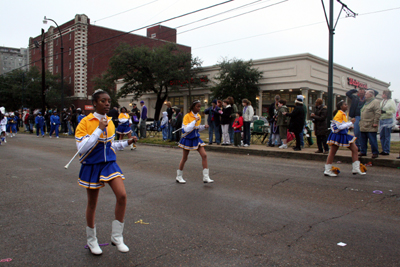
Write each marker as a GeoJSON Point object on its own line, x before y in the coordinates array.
{"type": "Point", "coordinates": [260, 211]}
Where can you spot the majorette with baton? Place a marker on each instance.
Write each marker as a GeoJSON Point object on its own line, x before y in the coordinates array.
{"type": "Point", "coordinates": [95, 141]}
{"type": "Point", "coordinates": [191, 141]}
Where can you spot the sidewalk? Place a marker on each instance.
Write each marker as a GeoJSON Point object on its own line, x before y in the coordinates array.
{"type": "Point", "coordinates": [343, 155]}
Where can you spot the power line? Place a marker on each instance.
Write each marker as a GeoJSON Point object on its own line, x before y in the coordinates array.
{"type": "Point", "coordinates": [125, 11]}
{"type": "Point", "coordinates": [236, 16]}
{"type": "Point", "coordinates": [315, 23]}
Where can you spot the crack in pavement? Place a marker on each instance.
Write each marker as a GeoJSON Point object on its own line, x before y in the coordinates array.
{"type": "Point", "coordinates": [153, 259]}
{"type": "Point", "coordinates": [333, 218]}
{"type": "Point", "coordinates": [270, 232]}
{"type": "Point", "coordinates": [280, 182]}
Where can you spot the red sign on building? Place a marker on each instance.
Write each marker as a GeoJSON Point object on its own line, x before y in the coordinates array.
{"type": "Point", "coordinates": [356, 83]}
{"type": "Point", "coordinates": [89, 107]}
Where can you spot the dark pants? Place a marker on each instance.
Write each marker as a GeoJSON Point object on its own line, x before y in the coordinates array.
{"type": "Point", "coordinates": [298, 141]}
{"type": "Point", "coordinates": [321, 142]}
{"type": "Point", "coordinates": [246, 132]}
{"type": "Point", "coordinates": [237, 138]}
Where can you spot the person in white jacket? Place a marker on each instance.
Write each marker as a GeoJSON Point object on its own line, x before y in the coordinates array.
{"type": "Point", "coordinates": [164, 126]}
{"type": "Point", "coordinates": [248, 113]}
{"type": "Point", "coordinates": [386, 121]}
{"type": "Point", "coordinates": [3, 125]}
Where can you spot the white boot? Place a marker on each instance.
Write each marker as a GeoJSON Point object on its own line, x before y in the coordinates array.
{"type": "Point", "coordinates": [328, 170]}
{"type": "Point", "coordinates": [92, 241]}
{"type": "Point", "coordinates": [133, 146]}
{"type": "Point", "coordinates": [179, 178]}
{"type": "Point", "coordinates": [356, 168]}
{"type": "Point", "coordinates": [206, 178]}
{"type": "Point", "coordinates": [116, 236]}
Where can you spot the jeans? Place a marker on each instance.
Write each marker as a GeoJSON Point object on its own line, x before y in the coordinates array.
{"type": "Point", "coordinates": [321, 142]}
{"type": "Point", "coordinates": [143, 129]}
{"type": "Point", "coordinates": [246, 132]}
{"type": "Point", "coordinates": [31, 127]}
{"type": "Point", "coordinates": [372, 141]}
{"type": "Point", "coordinates": [211, 129]}
{"type": "Point", "coordinates": [165, 132]}
{"type": "Point", "coordinates": [385, 134]}
{"type": "Point", "coordinates": [134, 129]}
{"type": "Point", "coordinates": [69, 125]}
{"type": "Point", "coordinates": [301, 134]}
{"type": "Point", "coordinates": [357, 132]}
{"type": "Point", "coordinates": [231, 131]}
{"type": "Point", "coordinates": [225, 134]}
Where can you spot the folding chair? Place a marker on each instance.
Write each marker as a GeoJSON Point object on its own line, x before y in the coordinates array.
{"type": "Point", "coordinates": [258, 131]}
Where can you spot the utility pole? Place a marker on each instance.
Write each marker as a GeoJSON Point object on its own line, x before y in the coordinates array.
{"type": "Point", "coordinates": [43, 75]}
{"type": "Point", "coordinates": [332, 27]}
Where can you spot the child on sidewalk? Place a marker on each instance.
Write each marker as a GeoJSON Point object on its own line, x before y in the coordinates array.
{"type": "Point", "coordinates": [164, 126]}
{"type": "Point", "coordinates": [339, 137]}
{"type": "Point", "coordinates": [237, 128]}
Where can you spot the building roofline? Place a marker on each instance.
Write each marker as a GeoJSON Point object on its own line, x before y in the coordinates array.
{"type": "Point", "coordinates": [307, 56]}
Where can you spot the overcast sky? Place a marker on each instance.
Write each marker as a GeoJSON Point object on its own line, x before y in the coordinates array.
{"type": "Point", "coordinates": [370, 43]}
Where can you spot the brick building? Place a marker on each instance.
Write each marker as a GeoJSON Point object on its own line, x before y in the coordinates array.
{"type": "Point", "coordinates": [86, 55]}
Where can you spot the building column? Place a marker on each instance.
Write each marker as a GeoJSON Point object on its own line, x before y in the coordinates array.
{"type": "Point", "coordinates": [260, 101]}
{"type": "Point", "coordinates": [185, 104]}
{"type": "Point", "coordinates": [334, 101]}
{"type": "Point", "coordinates": [304, 92]}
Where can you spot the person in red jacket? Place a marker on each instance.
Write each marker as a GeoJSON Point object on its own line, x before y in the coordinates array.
{"type": "Point", "coordinates": [237, 128]}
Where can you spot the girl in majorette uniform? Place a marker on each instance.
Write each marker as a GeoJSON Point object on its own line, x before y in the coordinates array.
{"type": "Point", "coordinates": [191, 141]}
{"type": "Point", "coordinates": [3, 125]}
{"type": "Point", "coordinates": [123, 125]}
{"type": "Point", "coordinates": [11, 124]}
{"type": "Point", "coordinates": [339, 137]}
{"type": "Point", "coordinates": [99, 167]}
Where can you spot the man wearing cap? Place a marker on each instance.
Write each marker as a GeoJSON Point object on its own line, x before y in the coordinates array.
{"type": "Point", "coordinates": [143, 119]}
{"type": "Point", "coordinates": [213, 121]}
{"type": "Point", "coordinates": [39, 121]}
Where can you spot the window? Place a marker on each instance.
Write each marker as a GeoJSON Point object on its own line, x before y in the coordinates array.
{"type": "Point", "coordinates": [70, 65]}
{"type": "Point", "coordinates": [57, 41]}
{"type": "Point", "coordinates": [56, 56]}
{"type": "Point", "coordinates": [70, 79]}
{"type": "Point", "coordinates": [57, 69]}
{"type": "Point", "coordinates": [69, 51]}
{"type": "Point", "coordinates": [70, 36]}
{"type": "Point", "coordinates": [153, 35]}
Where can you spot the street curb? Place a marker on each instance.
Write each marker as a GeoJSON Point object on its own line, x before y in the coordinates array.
{"type": "Point", "coordinates": [292, 155]}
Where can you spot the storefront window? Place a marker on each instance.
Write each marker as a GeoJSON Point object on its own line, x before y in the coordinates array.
{"type": "Point", "coordinates": [176, 101]}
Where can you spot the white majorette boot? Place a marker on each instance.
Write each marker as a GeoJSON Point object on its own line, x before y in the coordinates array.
{"type": "Point", "coordinates": [179, 178]}
{"type": "Point", "coordinates": [356, 168]}
{"type": "Point", "coordinates": [116, 236]}
{"type": "Point", "coordinates": [328, 170]}
{"type": "Point", "coordinates": [206, 178]}
{"type": "Point", "coordinates": [92, 241]}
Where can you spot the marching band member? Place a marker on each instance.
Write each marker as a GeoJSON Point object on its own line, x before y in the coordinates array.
{"type": "Point", "coordinates": [191, 141]}
{"type": "Point", "coordinates": [123, 125]}
{"type": "Point", "coordinates": [55, 124]}
{"type": "Point", "coordinates": [340, 138]}
{"type": "Point", "coordinates": [99, 167]}
{"type": "Point", "coordinates": [3, 125]}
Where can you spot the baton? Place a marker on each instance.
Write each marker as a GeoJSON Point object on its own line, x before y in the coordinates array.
{"type": "Point", "coordinates": [79, 150]}
{"type": "Point", "coordinates": [177, 130]}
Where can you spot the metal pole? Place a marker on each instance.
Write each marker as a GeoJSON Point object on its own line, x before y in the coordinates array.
{"type": "Point", "coordinates": [330, 64]}
{"type": "Point", "coordinates": [43, 73]}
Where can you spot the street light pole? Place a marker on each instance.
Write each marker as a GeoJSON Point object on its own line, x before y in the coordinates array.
{"type": "Point", "coordinates": [43, 74]}
{"type": "Point", "coordinates": [62, 61]}
{"type": "Point", "coordinates": [332, 26]}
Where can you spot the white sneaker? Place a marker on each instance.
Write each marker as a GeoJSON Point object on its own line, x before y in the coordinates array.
{"type": "Point", "coordinates": [50, 136]}
{"type": "Point", "coordinates": [58, 137]}
{"type": "Point", "coordinates": [284, 146]}
{"type": "Point", "coordinates": [246, 145]}
{"type": "Point", "coordinates": [133, 146]}
{"type": "Point", "coordinates": [328, 171]}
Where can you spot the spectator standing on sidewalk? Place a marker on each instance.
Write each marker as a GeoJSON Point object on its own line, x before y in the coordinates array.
{"type": "Point", "coordinates": [31, 121]}
{"type": "Point", "coordinates": [225, 122]}
{"type": "Point", "coordinates": [369, 121]}
{"type": "Point", "coordinates": [296, 121]}
{"type": "Point", "coordinates": [398, 120]}
{"type": "Point", "coordinates": [272, 114]}
{"type": "Point", "coordinates": [177, 122]}
{"type": "Point", "coordinates": [233, 116]}
{"type": "Point", "coordinates": [321, 127]}
{"type": "Point", "coordinates": [169, 113]}
{"type": "Point", "coordinates": [248, 113]}
{"type": "Point", "coordinates": [386, 122]}
{"type": "Point", "coordinates": [282, 122]}
{"type": "Point", "coordinates": [135, 120]}
{"type": "Point", "coordinates": [357, 102]}
{"type": "Point", "coordinates": [237, 127]}
{"type": "Point", "coordinates": [143, 120]}
{"type": "Point", "coordinates": [213, 121]}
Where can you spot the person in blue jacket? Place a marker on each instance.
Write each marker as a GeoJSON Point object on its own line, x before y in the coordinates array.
{"type": "Point", "coordinates": [55, 123]}
{"type": "Point", "coordinates": [80, 115]}
{"type": "Point", "coordinates": [39, 121]}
